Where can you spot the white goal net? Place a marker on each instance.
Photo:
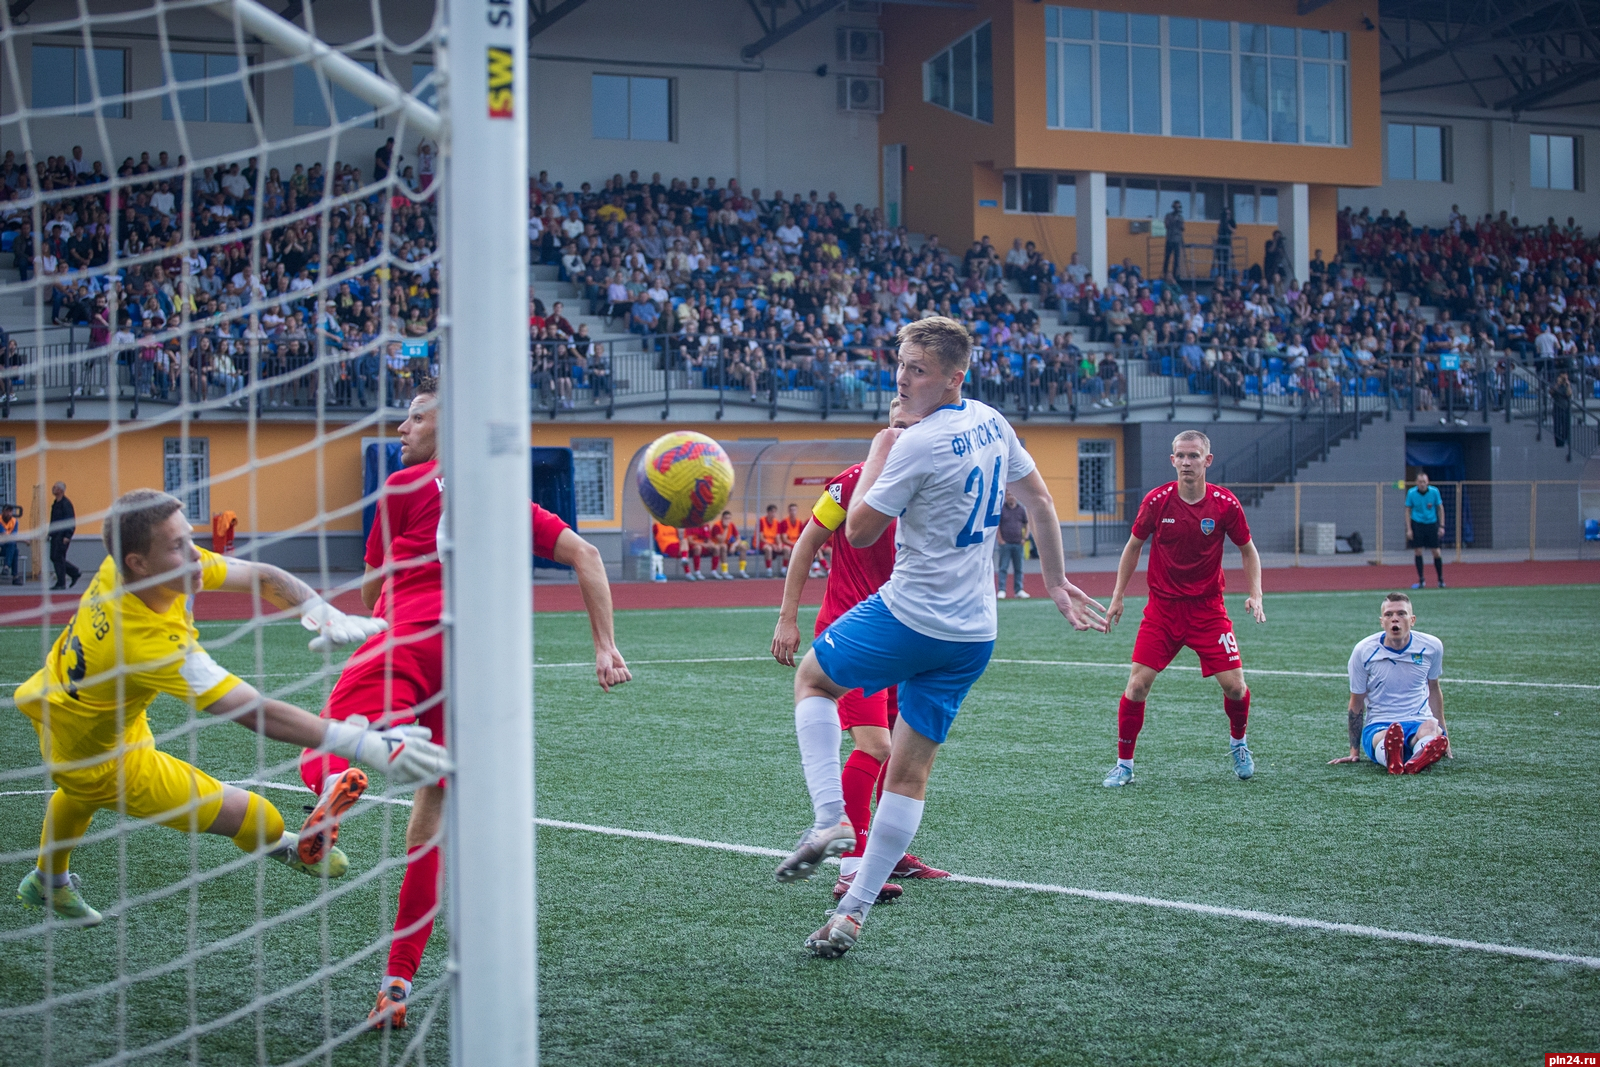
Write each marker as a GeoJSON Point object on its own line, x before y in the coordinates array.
{"type": "Point", "coordinates": [231, 256]}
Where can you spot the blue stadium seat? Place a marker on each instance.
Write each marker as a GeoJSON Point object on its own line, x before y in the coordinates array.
{"type": "Point", "coordinates": [1166, 366]}
{"type": "Point", "coordinates": [1519, 388]}
{"type": "Point", "coordinates": [1274, 365]}
{"type": "Point", "coordinates": [1349, 388]}
{"type": "Point", "coordinates": [1374, 387]}
{"type": "Point", "coordinates": [1252, 385]}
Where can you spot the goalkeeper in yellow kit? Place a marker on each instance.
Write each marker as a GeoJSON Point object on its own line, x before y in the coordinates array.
{"type": "Point", "coordinates": [132, 638]}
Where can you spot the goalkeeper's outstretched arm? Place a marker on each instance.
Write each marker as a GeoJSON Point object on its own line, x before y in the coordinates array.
{"type": "Point", "coordinates": [286, 592]}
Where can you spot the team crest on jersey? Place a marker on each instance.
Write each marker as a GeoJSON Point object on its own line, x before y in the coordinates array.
{"type": "Point", "coordinates": [1417, 657]}
{"type": "Point", "coordinates": [1207, 525]}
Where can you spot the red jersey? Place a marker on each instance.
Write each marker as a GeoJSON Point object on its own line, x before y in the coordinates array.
{"type": "Point", "coordinates": [405, 535]}
{"type": "Point", "coordinates": [1186, 549]}
{"type": "Point", "coordinates": [857, 572]}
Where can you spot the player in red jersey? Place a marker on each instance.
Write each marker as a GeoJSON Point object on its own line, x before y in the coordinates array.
{"type": "Point", "coordinates": [1188, 520]}
{"type": "Point", "coordinates": [856, 574]}
{"type": "Point", "coordinates": [398, 677]}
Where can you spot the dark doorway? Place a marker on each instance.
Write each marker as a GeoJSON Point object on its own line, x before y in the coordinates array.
{"type": "Point", "coordinates": [1449, 460]}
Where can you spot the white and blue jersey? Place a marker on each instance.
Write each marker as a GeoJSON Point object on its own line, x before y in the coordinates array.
{"type": "Point", "coordinates": [1395, 680]}
{"type": "Point", "coordinates": [946, 481]}
{"type": "Point", "coordinates": [930, 629]}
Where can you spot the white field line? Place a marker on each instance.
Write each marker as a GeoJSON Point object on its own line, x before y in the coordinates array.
{"type": "Point", "coordinates": [1102, 896]}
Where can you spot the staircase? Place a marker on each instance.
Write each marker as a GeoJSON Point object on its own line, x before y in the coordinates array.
{"type": "Point", "coordinates": [1280, 454]}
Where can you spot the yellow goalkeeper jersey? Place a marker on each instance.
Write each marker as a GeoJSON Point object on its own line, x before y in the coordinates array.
{"type": "Point", "coordinates": [112, 659]}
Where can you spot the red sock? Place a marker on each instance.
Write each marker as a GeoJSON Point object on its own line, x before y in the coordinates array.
{"type": "Point", "coordinates": [859, 776]}
{"type": "Point", "coordinates": [1130, 720]}
{"type": "Point", "coordinates": [316, 767]}
{"type": "Point", "coordinates": [1237, 711]}
{"type": "Point", "coordinates": [419, 903]}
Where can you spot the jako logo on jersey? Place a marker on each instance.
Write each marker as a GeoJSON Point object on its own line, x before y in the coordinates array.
{"type": "Point", "coordinates": [679, 453]}
{"type": "Point", "coordinates": [1207, 525]}
{"type": "Point", "coordinates": [1169, 520]}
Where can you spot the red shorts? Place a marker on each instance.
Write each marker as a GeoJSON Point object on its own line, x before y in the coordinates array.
{"type": "Point", "coordinates": [677, 550]}
{"type": "Point", "coordinates": [1204, 626]}
{"type": "Point", "coordinates": [388, 678]}
{"type": "Point", "coordinates": [856, 709]}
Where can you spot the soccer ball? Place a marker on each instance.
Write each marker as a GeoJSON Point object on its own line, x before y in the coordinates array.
{"type": "Point", "coordinates": [685, 479]}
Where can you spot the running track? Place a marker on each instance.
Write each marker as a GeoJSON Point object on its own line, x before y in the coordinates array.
{"type": "Point", "coordinates": [767, 592]}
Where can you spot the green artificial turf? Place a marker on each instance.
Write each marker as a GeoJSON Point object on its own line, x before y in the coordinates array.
{"type": "Point", "coordinates": [654, 952]}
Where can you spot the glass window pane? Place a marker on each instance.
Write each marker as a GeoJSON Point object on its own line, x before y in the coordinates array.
{"type": "Point", "coordinates": [939, 80]}
{"type": "Point", "coordinates": [420, 73]}
{"type": "Point", "coordinates": [226, 102]}
{"type": "Point", "coordinates": [1184, 103]}
{"type": "Point", "coordinates": [1139, 199]}
{"type": "Point", "coordinates": [1009, 183]}
{"type": "Point", "coordinates": [1113, 26]}
{"type": "Point", "coordinates": [1563, 172]}
{"type": "Point", "coordinates": [1539, 160]}
{"type": "Point", "coordinates": [1282, 40]}
{"type": "Point", "coordinates": [1339, 47]}
{"type": "Point", "coordinates": [1285, 101]}
{"type": "Point", "coordinates": [1077, 23]}
{"type": "Point", "coordinates": [109, 66]}
{"type": "Point", "coordinates": [1341, 130]}
{"type": "Point", "coordinates": [1114, 88]}
{"type": "Point", "coordinates": [1066, 195]}
{"type": "Point", "coordinates": [1252, 37]}
{"type": "Point", "coordinates": [1242, 198]}
{"type": "Point", "coordinates": [348, 105]}
{"type": "Point", "coordinates": [1183, 33]}
{"type": "Point", "coordinates": [1215, 36]}
{"type": "Point", "coordinates": [1052, 21]}
{"type": "Point", "coordinates": [1113, 198]}
{"type": "Point", "coordinates": [1319, 129]}
{"type": "Point", "coordinates": [1147, 90]}
{"type": "Point", "coordinates": [1036, 193]}
{"type": "Point", "coordinates": [1252, 98]}
{"type": "Point", "coordinates": [1314, 44]}
{"type": "Point", "coordinates": [609, 107]}
{"type": "Point", "coordinates": [1267, 205]}
{"type": "Point", "coordinates": [1052, 84]}
{"type": "Point", "coordinates": [983, 66]}
{"type": "Point", "coordinates": [961, 76]}
{"type": "Point", "coordinates": [1430, 154]}
{"type": "Point", "coordinates": [649, 109]}
{"type": "Point", "coordinates": [310, 109]}
{"type": "Point", "coordinates": [1179, 191]}
{"type": "Point", "coordinates": [1208, 200]}
{"type": "Point", "coordinates": [1144, 29]}
{"type": "Point", "coordinates": [1217, 70]}
{"type": "Point", "coordinates": [1077, 87]}
{"type": "Point", "coordinates": [1402, 151]}
{"type": "Point", "coordinates": [53, 83]}
{"type": "Point", "coordinates": [187, 67]}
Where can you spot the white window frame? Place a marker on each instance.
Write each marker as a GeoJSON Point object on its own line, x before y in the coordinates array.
{"type": "Point", "coordinates": [590, 449]}
{"type": "Point", "coordinates": [672, 106]}
{"type": "Point", "coordinates": [1446, 152]}
{"type": "Point", "coordinates": [190, 482]}
{"type": "Point", "coordinates": [252, 102]}
{"type": "Point", "coordinates": [1101, 452]}
{"type": "Point", "coordinates": [1338, 104]}
{"type": "Point", "coordinates": [1534, 144]}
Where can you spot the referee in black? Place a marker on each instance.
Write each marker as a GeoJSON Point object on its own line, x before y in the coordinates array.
{"type": "Point", "coordinates": [63, 524]}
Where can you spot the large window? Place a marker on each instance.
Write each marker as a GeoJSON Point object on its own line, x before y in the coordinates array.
{"type": "Point", "coordinates": [1104, 70]}
{"type": "Point", "coordinates": [1097, 476]}
{"type": "Point", "coordinates": [1553, 161]}
{"type": "Point", "coordinates": [625, 108]}
{"type": "Point", "coordinates": [1033, 193]}
{"type": "Point", "coordinates": [311, 106]}
{"type": "Point", "coordinates": [61, 78]}
{"type": "Point", "coordinates": [1419, 153]}
{"type": "Point", "coordinates": [222, 101]}
{"type": "Point", "coordinates": [188, 476]}
{"type": "Point", "coordinates": [591, 477]}
{"type": "Point", "coordinates": [961, 78]}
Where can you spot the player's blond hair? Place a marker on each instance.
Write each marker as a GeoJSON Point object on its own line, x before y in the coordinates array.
{"type": "Point", "coordinates": [1192, 435]}
{"type": "Point", "coordinates": [943, 338]}
{"type": "Point", "coordinates": [131, 526]}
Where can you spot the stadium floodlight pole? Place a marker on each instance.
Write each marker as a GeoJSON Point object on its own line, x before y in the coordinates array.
{"type": "Point", "coordinates": [488, 547]}
{"type": "Point", "coordinates": [337, 67]}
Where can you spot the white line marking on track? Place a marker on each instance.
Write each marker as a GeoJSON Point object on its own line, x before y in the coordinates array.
{"type": "Point", "coordinates": [1100, 895]}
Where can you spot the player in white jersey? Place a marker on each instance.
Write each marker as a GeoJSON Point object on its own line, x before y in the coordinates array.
{"type": "Point", "coordinates": [1396, 707]}
{"type": "Point", "coordinates": [930, 629]}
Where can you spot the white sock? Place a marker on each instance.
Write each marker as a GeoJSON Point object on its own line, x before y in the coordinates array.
{"type": "Point", "coordinates": [894, 824]}
{"type": "Point", "coordinates": [849, 864]}
{"type": "Point", "coordinates": [816, 727]}
{"type": "Point", "coordinates": [1237, 741]}
{"type": "Point", "coordinates": [1128, 763]}
{"type": "Point", "coordinates": [58, 880]}
{"type": "Point", "coordinates": [389, 980]}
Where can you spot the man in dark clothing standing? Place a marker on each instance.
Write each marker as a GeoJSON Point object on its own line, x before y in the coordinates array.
{"type": "Point", "coordinates": [1174, 249]}
{"type": "Point", "coordinates": [63, 524]}
{"type": "Point", "coordinates": [1008, 547]}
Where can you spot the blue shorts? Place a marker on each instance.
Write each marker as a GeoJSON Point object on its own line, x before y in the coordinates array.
{"type": "Point", "coordinates": [1372, 731]}
{"type": "Point", "coordinates": [867, 647]}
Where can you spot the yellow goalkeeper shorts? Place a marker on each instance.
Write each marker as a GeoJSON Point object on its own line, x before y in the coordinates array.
{"type": "Point", "coordinates": [145, 783]}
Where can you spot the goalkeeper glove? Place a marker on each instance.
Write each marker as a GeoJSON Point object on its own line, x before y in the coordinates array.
{"type": "Point", "coordinates": [403, 753]}
{"type": "Point", "coordinates": [333, 627]}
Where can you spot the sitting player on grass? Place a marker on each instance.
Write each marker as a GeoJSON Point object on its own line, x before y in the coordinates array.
{"type": "Point", "coordinates": [133, 638]}
{"type": "Point", "coordinates": [1396, 708]}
